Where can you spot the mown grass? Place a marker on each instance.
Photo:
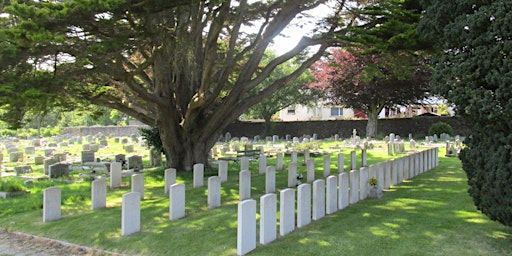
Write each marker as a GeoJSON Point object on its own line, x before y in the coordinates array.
{"type": "Point", "coordinates": [429, 215]}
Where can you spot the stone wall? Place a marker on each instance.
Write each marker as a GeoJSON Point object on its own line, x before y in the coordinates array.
{"type": "Point", "coordinates": [418, 126]}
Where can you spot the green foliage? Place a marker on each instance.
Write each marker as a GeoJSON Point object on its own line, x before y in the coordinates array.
{"type": "Point", "coordinates": [440, 128]}
{"type": "Point", "coordinates": [152, 137]}
{"type": "Point", "coordinates": [11, 185]}
{"type": "Point", "coordinates": [474, 72]}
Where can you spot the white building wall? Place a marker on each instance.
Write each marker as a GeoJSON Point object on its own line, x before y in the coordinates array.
{"type": "Point", "coordinates": [303, 113]}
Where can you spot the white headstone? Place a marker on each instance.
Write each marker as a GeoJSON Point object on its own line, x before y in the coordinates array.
{"type": "Point", "coordinates": [353, 160]}
{"type": "Point", "coordinates": [292, 174]}
{"type": "Point", "coordinates": [176, 201]}
{"type": "Point", "coordinates": [303, 205]}
{"type": "Point", "coordinates": [51, 204]}
{"type": "Point", "coordinates": [246, 231]}
{"type": "Point", "coordinates": [115, 175]}
{"type": "Point", "coordinates": [400, 177]}
{"type": "Point", "coordinates": [306, 155]}
{"type": "Point", "coordinates": [363, 183]}
{"type": "Point", "coordinates": [223, 170]}
{"type": "Point", "coordinates": [98, 194]}
{"type": "Point", "coordinates": [244, 163]}
{"type": "Point", "coordinates": [380, 174]}
{"type": "Point", "coordinates": [364, 158]}
{"type": "Point", "coordinates": [341, 163]}
{"type": "Point", "coordinates": [169, 178]}
{"type": "Point", "coordinates": [268, 219]}
{"type": "Point", "coordinates": [318, 199]}
{"type": "Point", "coordinates": [354, 186]}
{"type": "Point", "coordinates": [198, 175]}
{"type": "Point", "coordinates": [294, 156]}
{"type": "Point", "coordinates": [331, 195]}
{"type": "Point", "coordinates": [387, 174]}
{"type": "Point", "coordinates": [287, 211]}
{"type": "Point", "coordinates": [130, 213]}
{"type": "Point", "coordinates": [327, 165]}
{"type": "Point", "coordinates": [310, 168]}
{"type": "Point", "coordinates": [245, 185]}
{"type": "Point", "coordinates": [394, 172]}
{"type": "Point", "coordinates": [138, 184]}
{"type": "Point", "coordinates": [262, 164]}
{"type": "Point", "coordinates": [270, 180]}
{"type": "Point", "coordinates": [279, 162]}
{"type": "Point", "coordinates": [343, 191]}
{"type": "Point", "coordinates": [214, 199]}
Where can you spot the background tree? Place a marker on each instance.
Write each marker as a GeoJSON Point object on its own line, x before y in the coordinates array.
{"type": "Point", "coordinates": [474, 71]}
{"type": "Point", "coordinates": [370, 82]}
{"type": "Point", "coordinates": [384, 64]}
{"type": "Point", "coordinates": [185, 67]}
{"type": "Point", "coordinates": [296, 92]}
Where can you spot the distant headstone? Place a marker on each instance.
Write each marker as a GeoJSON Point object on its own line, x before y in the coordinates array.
{"type": "Point", "coordinates": [16, 157]}
{"type": "Point", "coordinates": [198, 175]}
{"type": "Point", "coordinates": [244, 189]}
{"type": "Point", "coordinates": [22, 169]}
{"type": "Point", "coordinates": [58, 170]}
{"type": "Point", "coordinates": [30, 150]}
{"type": "Point", "coordinates": [87, 156]}
{"type": "Point", "coordinates": [135, 163]}
{"type": "Point", "coordinates": [138, 184]}
{"type": "Point", "coordinates": [169, 179]}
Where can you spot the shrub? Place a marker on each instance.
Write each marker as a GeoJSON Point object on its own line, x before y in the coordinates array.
{"type": "Point", "coordinates": [440, 128]}
{"type": "Point", "coordinates": [11, 185]}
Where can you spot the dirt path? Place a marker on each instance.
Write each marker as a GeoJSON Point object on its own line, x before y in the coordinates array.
{"type": "Point", "coordinates": [15, 243]}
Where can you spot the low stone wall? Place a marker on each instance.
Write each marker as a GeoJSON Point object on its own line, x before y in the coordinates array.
{"type": "Point", "coordinates": [418, 126]}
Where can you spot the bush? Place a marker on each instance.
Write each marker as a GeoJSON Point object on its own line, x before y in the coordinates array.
{"type": "Point", "coordinates": [11, 185]}
{"type": "Point", "coordinates": [440, 128]}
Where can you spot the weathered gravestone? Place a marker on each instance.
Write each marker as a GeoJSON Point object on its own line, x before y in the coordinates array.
{"type": "Point", "coordinates": [87, 156]}
{"type": "Point", "coordinates": [135, 163]}
{"type": "Point", "coordinates": [22, 169]}
{"type": "Point", "coordinates": [16, 157]}
{"type": "Point", "coordinates": [58, 170]}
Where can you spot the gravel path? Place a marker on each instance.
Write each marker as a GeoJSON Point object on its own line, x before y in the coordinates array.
{"type": "Point", "coordinates": [15, 243]}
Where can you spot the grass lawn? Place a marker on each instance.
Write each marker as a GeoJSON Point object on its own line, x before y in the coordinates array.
{"type": "Point", "coordinates": [429, 215]}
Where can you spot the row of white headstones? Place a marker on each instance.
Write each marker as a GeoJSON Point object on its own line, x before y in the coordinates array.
{"type": "Point", "coordinates": [329, 194]}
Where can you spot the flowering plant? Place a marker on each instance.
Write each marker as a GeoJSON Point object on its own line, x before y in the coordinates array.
{"type": "Point", "coordinates": [372, 181]}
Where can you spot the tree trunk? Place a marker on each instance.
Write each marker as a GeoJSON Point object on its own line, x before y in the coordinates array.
{"type": "Point", "coordinates": [371, 126]}
{"type": "Point", "coordinates": [267, 126]}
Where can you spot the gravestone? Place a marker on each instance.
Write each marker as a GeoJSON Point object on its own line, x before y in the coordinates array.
{"type": "Point", "coordinates": [48, 152]}
{"type": "Point", "coordinates": [279, 161]}
{"type": "Point", "coordinates": [327, 165]}
{"type": "Point", "coordinates": [115, 175]}
{"type": "Point", "coordinates": [130, 213]}
{"type": "Point", "coordinates": [318, 199]}
{"type": "Point", "coordinates": [223, 170]}
{"type": "Point", "coordinates": [270, 180]}
{"type": "Point", "coordinates": [128, 148]}
{"type": "Point", "coordinates": [262, 164]}
{"type": "Point", "coordinates": [363, 183]}
{"type": "Point", "coordinates": [16, 157]}
{"type": "Point", "coordinates": [387, 175]}
{"type": "Point", "coordinates": [138, 184]}
{"type": "Point", "coordinates": [99, 194]}
{"type": "Point", "coordinates": [214, 198]}
{"type": "Point", "coordinates": [303, 205]}
{"type": "Point", "coordinates": [343, 191]}
{"type": "Point", "coordinates": [353, 160]}
{"type": "Point", "coordinates": [30, 150]}
{"type": "Point", "coordinates": [246, 230]}
{"type": "Point", "coordinates": [287, 211]}
{"type": "Point", "coordinates": [394, 172]}
{"type": "Point", "coordinates": [46, 164]}
{"type": "Point", "coordinates": [38, 160]}
{"type": "Point", "coordinates": [354, 186]}
{"type": "Point", "coordinates": [244, 163]}
{"type": "Point", "coordinates": [176, 201]}
{"type": "Point", "coordinates": [292, 174]}
{"type": "Point", "coordinates": [51, 204]}
{"type": "Point", "coordinates": [341, 163]}
{"type": "Point", "coordinates": [268, 220]}
{"type": "Point", "coordinates": [20, 170]}
{"type": "Point", "coordinates": [155, 157]}
{"type": "Point", "coordinates": [135, 163]}
{"type": "Point", "coordinates": [364, 158]}
{"type": "Point", "coordinates": [58, 170]}
{"type": "Point", "coordinates": [88, 156]}
{"type": "Point", "coordinates": [169, 179]}
{"type": "Point", "coordinates": [244, 188]}
{"type": "Point", "coordinates": [310, 169]}
{"type": "Point", "coordinates": [331, 195]}
{"type": "Point", "coordinates": [61, 157]}
{"type": "Point", "coordinates": [198, 175]}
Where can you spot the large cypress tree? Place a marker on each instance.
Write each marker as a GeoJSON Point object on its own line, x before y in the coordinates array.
{"type": "Point", "coordinates": [474, 71]}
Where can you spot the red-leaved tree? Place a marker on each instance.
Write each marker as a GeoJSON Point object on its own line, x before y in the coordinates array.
{"type": "Point", "coordinates": [370, 82]}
